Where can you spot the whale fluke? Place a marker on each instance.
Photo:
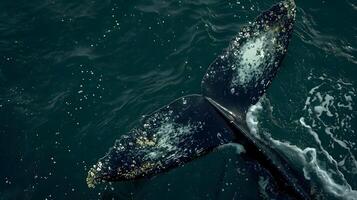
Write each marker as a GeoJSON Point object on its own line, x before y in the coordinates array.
{"type": "Point", "coordinates": [194, 125]}
{"type": "Point", "coordinates": [185, 129]}
{"type": "Point", "coordinates": [243, 72]}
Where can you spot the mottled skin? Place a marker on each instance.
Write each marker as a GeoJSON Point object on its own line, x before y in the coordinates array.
{"type": "Point", "coordinates": [195, 125]}
{"type": "Point", "coordinates": [217, 82]}
{"type": "Point", "coordinates": [175, 134]}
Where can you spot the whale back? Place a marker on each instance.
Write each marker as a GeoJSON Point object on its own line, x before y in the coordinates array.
{"type": "Point", "coordinates": [242, 73]}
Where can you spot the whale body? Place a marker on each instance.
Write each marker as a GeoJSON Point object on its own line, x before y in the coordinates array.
{"type": "Point", "coordinates": [194, 125]}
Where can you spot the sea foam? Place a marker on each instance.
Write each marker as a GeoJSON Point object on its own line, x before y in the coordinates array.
{"type": "Point", "coordinates": [307, 159]}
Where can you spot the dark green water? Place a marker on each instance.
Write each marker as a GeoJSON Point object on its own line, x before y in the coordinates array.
{"type": "Point", "coordinates": [75, 75]}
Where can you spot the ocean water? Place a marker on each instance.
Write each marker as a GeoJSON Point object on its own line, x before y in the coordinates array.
{"type": "Point", "coordinates": [75, 75]}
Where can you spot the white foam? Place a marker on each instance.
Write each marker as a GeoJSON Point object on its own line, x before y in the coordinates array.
{"type": "Point", "coordinates": [349, 101]}
{"type": "Point", "coordinates": [323, 150]}
{"type": "Point", "coordinates": [313, 133]}
{"type": "Point", "coordinates": [326, 103]}
{"type": "Point", "coordinates": [340, 142]}
{"type": "Point", "coordinates": [252, 118]}
{"type": "Point", "coordinates": [311, 168]}
{"type": "Point", "coordinates": [329, 106]}
{"type": "Point", "coordinates": [308, 159]}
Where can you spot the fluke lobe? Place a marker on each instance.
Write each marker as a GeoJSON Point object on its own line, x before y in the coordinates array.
{"type": "Point", "coordinates": [194, 125]}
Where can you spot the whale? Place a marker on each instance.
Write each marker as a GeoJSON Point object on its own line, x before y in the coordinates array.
{"type": "Point", "coordinates": [195, 125]}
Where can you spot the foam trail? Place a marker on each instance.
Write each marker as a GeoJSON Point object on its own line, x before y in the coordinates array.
{"type": "Point", "coordinates": [252, 119]}
{"type": "Point", "coordinates": [317, 139]}
{"type": "Point", "coordinates": [306, 159]}
{"type": "Point", "coordinates": [330, 108]}
{"type": "Point", "coordinates": [312, 169]}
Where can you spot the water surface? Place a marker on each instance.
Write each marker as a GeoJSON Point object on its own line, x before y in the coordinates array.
{"type": "Point", "coordinates": [75, 75]}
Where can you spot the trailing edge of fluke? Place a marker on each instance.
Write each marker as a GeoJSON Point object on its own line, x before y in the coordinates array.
{"type": "Point", "coordinates": [194, 125]}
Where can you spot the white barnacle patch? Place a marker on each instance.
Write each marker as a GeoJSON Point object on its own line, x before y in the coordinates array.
{"type": "Point", "coordinates": [168, 134]}
{"type": "Point", "coordinates": [253, 54]}
{"type": "Point", "coordinates": [168, 137]}
{"type": "Point", "coordinates": [251, 59]}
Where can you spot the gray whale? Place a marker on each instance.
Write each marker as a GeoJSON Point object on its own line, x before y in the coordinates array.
{"type": "Point", "coordinates": [194, 125]}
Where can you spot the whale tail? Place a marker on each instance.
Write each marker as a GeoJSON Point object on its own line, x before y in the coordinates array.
{"type": "Point", "coordinates": [240, 76]}
{"type": "Point", "coordinates": [185, 129]}
{"type": "Point", "coordinates": [194, 125]}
